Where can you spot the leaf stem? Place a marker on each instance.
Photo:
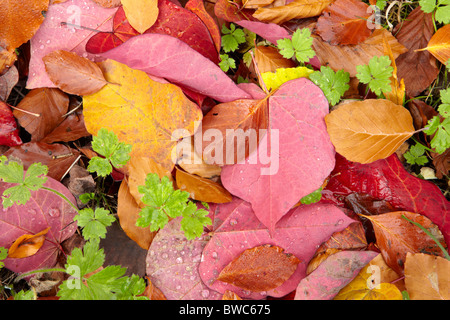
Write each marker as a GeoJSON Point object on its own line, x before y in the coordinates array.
{"type": "Point", "coordinates": [45, 270]}
{"type": "Point", "coordinates": [62, 196]}
{"type": "Point", "coordinates": [447, 256]}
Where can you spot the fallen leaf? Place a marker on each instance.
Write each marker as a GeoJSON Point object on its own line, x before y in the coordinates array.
{"type": "Point", "coordinates": [442, 164]}
{"type": "Point", "coordinates": [348, 57]}
{"type": "Point", "coordinates": [332, 275]}
{"type": "Point", "coordinates": [27, 245]}
{"type": "Point", "coordinates": [439, 45]}
{"type": "Point", "coordinates": [71, 128]}
{"type": "Point", "coordinates": [230, 295]}
{"type": "Point", "coordinates": [261, 268]}
{"type": "Point", "coordinates": [231, 12]}
{"type": "Point", "coordinates": [236, 228]}
{"type": "Point", "coordinates": [187, 67]}
{"type": "Point", "coordinates": [7, 82]}
{"type": "Point", "coordinates": [172, 265]}
{"type": "Point", "coordinates": [344, 22]}
{"type": "Point", "coordinates": [269, 31]}
{"type": "Point", "coordinates": [427, 277]}
{"type": "Point", "coordinates": [296, 9]}
{"type": "Point", "coordinates": [141, 14]}
{"type": "Point", "coordinates": [47, 107]}
{"type": "Point", "coordinates": [202, 189]}
{"type": "Point", "coordinates": [269, 59]}
{"type": "Point", "coordinates": [128, 213]}
{"type": "Point", "coordinates": [108, 3]}
{"type": "Point", "coordinates": [397, 236]}
{"type": "Point", "coordinates": [397, 93]}
{"type": "Point", "coordinates": [9, 133]}
{"type": "Point", "coordinates": [44, 210]}
{"type": "Point", "coordinates": [62, 30]}
{"type": "Point", "coordinates": [372, 283]}
{"type": "Point", "coordinates": [19, 22]}
{"type": "Point", "coordinates": [57, 157]}
{"type": "Point", "coordinates": [417, 68]}
{"type": "Point", "coordinates": [73, 74]}
{"type": "Point", "coordinates": [152, 292]}
{"type": "Point", "coordinates": [369, 130]}
{"type": "Point", "coordinates": [132, 105]}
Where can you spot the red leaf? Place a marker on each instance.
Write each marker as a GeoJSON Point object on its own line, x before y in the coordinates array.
{"type": "Point", "coordinates": [388, 180]}
{"type": "Point", "coordinates": [9, 134]}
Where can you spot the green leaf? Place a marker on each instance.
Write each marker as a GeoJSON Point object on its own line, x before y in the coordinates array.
{"type": "Point", "coordinates": [226, 63]}
{"type": "Point", "coordinates": [3, 255]}
{"type": "Point", "coordinates": [333, 84]}
{"type": "Point", "coordinates": [193, 221]}
{"type": "Point", "coordinates": [24, 295]}
{"type": "Point", "coordinates": [442, 8]}
{"type": "Point", "coordinates": [441, 131]}
{"type": "Point", "coordinates": [94, 223]}
{"type": "Point", "coordinates": [376, 74]}
{"type": "Point", "coordinates": [131, 289]}
{"type": "Point", "coordinates": [427, 6]}
{"type": "Point", "coordinates": [86, 197]}
{"type": "Point", "coordinates": [300, 46]}
{"type": "Point", "coordinates": [232, 38]}
{"type": "Point", "coordinates": [313, 197]}
{"type": "Point", "coordinates": [99, 165]}
{"type": "Point", "coordinates": [13, 172]}
{"type": "Point", "coordinates": [415, 155]}
{"type": "Point", "coordinates": [444, 108]}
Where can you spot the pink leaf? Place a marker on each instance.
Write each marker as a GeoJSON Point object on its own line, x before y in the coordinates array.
{"type": "Point", "coordinates": [44, 209]}
{"type": "Point", "coordinates": [332, 275]}
{"type": "Point", "coordinates": [269, 31]}
{"type": "Point", "coordinates": [172, 265]}
{"type": "Point", "coordinates": [53, 36]}
{"type": "Point", "coordinates": [167, 57]}
{"type": "Point", "coordinates": [237, 229]}
{"type": "Point", "coordinates": [301, 157]}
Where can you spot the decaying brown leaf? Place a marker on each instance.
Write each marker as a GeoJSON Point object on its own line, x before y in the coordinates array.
{"type": "Point", "coordinates": [261, 268]}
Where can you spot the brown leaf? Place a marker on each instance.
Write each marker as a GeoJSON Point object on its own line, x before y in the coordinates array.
{"type": "Point", "coordinates": [417, 68]}
{"type": "Point", "coordinates": [369, 130]}
{"type": "Point", "coordinates": [128, 212]}
{"type": "Point", "coordinates": [152, 292]}
{"type": "Point", "coordinates": [344, 22]}
{"type": "Point", "coordinates": [57, 157]}
{"type": "Point", "coordinates": [48, 106]}
{"type": "Point", "coordinates": [442, 163]}
{"type": "Point", "coordinates": [269, 59]}
{"type": "Point", "coordinates": [73, 74]}
{"type": "Point", "coordinates": [7, 82]}
{"type": "Point", "coordinates": [295, 10]}
{"type": "Point", "coordinates": [397, 236]}
{"type": "Point", "coordinates": [230, 295]}
{"type": "Point", "coordinates": [108, 3]}
{"type": "Point", "coordinates": [27, 245]}
{"type": "Point", "coordinates": [261, 268]}
{"type": "Point", "coordinates": [202, 189]}
{"type": "Point", "coordinates": [71, 129]}
{"type": "Point", "coordinates": [348, 57]}
{"type": "Point", "coordinates": [427, 277]}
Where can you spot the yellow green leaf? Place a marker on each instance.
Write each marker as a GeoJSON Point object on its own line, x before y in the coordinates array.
{"type": "Point", "coordinates": [274, 80]}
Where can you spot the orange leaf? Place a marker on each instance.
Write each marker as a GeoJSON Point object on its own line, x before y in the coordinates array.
{"type": "Point", "coordinates": [261, 268]}
{"type": "Point", "coordinates": [202, 189]}
{"type": "Point", "coordinates": [344, 22]}
{"type": "Point", "coordinates": [269, 59]}
{"type": "Point", "coordinates": [439, 45]}
{"type": "Point", "coordinates": [27, 245]}
{"type": "Point", "coordinates": [141, 14]}
{"type": "Point", "coordinates": [397, 94]}
{"type": "Point", "coordinates": [369, 130]}
{"type": "Point", "coordinates": [230, 295]}
{"type": "Point", "coordinates": [73, 74]}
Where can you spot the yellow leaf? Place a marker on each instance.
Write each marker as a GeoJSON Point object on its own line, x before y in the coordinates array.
{"type": "Point", "coordinates": [149, 115]}
{"type": "Point", "coordinates": [427, 277]}
{"type": "Point", "coordinates": [369, 130]}
{"type": "Point", "coordinates": [297, 9]}
{"type": "Point", "coordinates": [27, 245]}
{"type": "Point", "coordinates": [274, 80]}
{"type": "Point", "coordinates": [397, 94]}
{"type": "Point", "coordinates": [141, 14]}
{"type": "Point", "coordinates": [371, 283]}
{"type": "Point", "coordinates": [439, 44]}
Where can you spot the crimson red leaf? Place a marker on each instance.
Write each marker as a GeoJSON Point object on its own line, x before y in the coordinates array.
{"type": "Point", "coordinates": [44, 209]}
{"type": "Point", "coordinates": [388, 180]}
{"type": "Point", "coordinates": [301, 155]}
{"type": "Point", "coordinates": [167, 57]}
{"type": "Point", "coordinates": [9, 134]}
{"type": "Point", "coordinates": [236, 228]}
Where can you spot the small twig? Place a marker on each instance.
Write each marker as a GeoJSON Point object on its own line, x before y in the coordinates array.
{"type": "Point", "coordinates": [27, 112]}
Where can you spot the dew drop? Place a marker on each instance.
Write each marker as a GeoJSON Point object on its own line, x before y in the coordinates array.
{"type": "Point", "coordinates": [164, 255]}
{"type": "Point", "coordinates": [233, 222]}
{"type": "Point", "coordinates": [179, 260]}
{"type": "Point", "coordinates": [339, 222]}
{"type": "Point", "coordinates": [54, 212]}
{"type": "Point", "coordinates": [205, 293]}
{"type": "Point", "coordinates": [178, 287]}
{"type": "Point", "coordinates": [214, 255]}
{"type": "Point", "coordinates": [41, 46]}
{"type": "Point", "coordinates": [32, 211]}
{"type": "Point", "coordinates": [48, 41]}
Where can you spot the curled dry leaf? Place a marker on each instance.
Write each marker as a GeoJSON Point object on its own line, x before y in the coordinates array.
{"type": "Point", "coordinates": [141, 14]}
{"type": "Point", "coordinates": [73, 74]}
{"type": "Point", "coordinates": [427, 277]}
{"type": "Point", "coordinates": [397, 236]}
{"type": "Point", "coordinates": [7, 82]}
{"type": "Point", "coordinates": [261, 268]}
{"type": "Point", "coordinates": [344, 22]}
{"type": "Point", "coordinates": [27, 245]}
{"type": "Point", "coordinates": [369, 130]}
{"type": "Point", "coordinates": [439, 45]}
{"type": "Point", "coordinates": [297, 9]}
{"type": "Point", "coordinates": [202, 189]}
{"type": "Point", "coordinates": [46, 108]}
{"type": "Point", "coordinates": [397, 93]}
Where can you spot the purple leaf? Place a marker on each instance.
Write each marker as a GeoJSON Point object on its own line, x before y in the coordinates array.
{"type": "Point", "coordinates": [301, 154]}
{"type": "Point", "coordinates": [167, 57]}
{"type": "Point", "coordinates": [44, 209]}
{"type": "Point", "coordinates": [237, 228]}
{"type": "Point", "coordinates": [332, 275]}
{"type": "Point", "coordinates": [172, 265]}
{"type": "Point", "coordinates": [53, 36]}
